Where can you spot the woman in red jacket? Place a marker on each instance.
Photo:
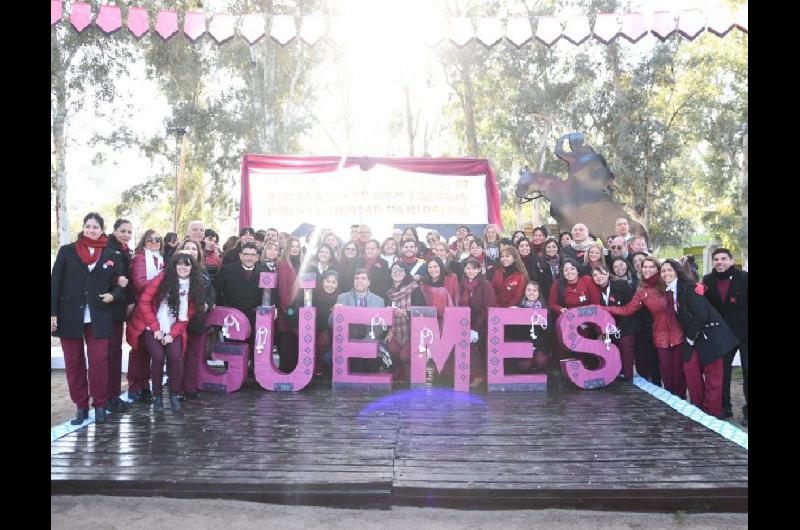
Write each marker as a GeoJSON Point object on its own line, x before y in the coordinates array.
{"type": "Point", "coordinates": [161, 318]}
{"type": "Point", "coordinates": [509, 278]}
{"type": "Point", "coordinates": [439, 287]}
{"type": "Point", "coordinates": [667, 331]}
{"type": "Point", "coordinates": [478, 295]}
{"type": "Point", "coordinates": [289, 302]}
{"type": "Point", "coordinates": [147, 262]}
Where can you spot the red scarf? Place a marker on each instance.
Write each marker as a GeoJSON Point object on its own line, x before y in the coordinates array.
{"type": "Point", "coordinates": [409, 261]}
{"type": "Point", "coordinates": [538, 249]}
{"type": "Point", "coordinates": [82, 246]}
{"type": "Point", "coordinates": [652, 281]}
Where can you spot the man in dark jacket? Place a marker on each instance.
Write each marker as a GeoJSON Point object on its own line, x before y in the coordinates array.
{"type": "Point", "coordinates": [727, 292]}
{"type": "Point", "coordinates": [236, 284]}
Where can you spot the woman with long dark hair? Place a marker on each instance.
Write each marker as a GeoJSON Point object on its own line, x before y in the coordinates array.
{"type": "Point", "coordinates": [146, 264]}
{"type": "Point", "coordinates": [351, 256]}
{"type": "Point", "coordinates": [510, 278]}
{"type": "Point", "coordinates": [708, 337]}
{"type": "Point", "coordinates": [621, 270]}
{"type": "Point", "coordinates": [667, 332]}
{"type": "Point", "coordinates": [325, 295]}
{"type": "Point", "coordinates": [478, 295]}
{"type": "Point", "coordinates": [324, 260]}
{"type": "Point", "coordinates": [439, 288]}
{"type": "Point", "coordinates": [619, 293]}
{"type": "Point", "coordinates": [290, 300]}
{"type": "Point", "coordinates": [82, 287]}
{"type": "Point", "coordinates": [161, 319]}
{"type": "Point", "coordinates": [538, 238]}
{"type": "Point", "coordinates": [403, 293]}
{"type": "Point", "coordinates": [550, 264]}
{"type": "Point", "coordinates": [197, 325]}
{"type": "Point", "coordinates": [120, 309]}
{"type": "Point", "coordinates": [529, 260]}
{"type": "Point", "coordinates": [477, 251]}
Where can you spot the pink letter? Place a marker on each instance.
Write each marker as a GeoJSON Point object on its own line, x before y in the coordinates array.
{"type": "Point", "coordinates": [267, 374]}
{"type": "Point", "coordinates": [235, 326]}
{"type": "Point", "coordinates": [610, 363]}
{"type": "Point", "coordinates": [499, 349]}
{"type": "Point", "coordinates": [425, 335]}
{"type": "Point", "coordinates": [344, 348]}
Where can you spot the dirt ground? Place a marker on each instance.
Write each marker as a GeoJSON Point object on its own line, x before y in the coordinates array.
{"type": "Point", "coordinates": [157, 512]}
{"type": "Point", "coordinates": [91, 512]}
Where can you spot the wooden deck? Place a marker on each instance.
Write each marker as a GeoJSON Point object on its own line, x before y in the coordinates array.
{"type": "Point", "coordinates": [612, 449]}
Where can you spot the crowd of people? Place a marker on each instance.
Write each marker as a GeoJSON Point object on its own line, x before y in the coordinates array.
{"type": "Point", "coordinates": [675, 329]}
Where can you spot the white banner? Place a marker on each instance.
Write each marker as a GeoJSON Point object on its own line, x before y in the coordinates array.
{"type": "Point", "coordinates": [381, 196]}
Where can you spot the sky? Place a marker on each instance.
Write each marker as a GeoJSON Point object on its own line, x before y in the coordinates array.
{"type": "Point", "coordinates": [383, 52]}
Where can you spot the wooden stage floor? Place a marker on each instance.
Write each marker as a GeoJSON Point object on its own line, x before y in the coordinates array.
{"type": "Point", "coordinates": [611, 449]}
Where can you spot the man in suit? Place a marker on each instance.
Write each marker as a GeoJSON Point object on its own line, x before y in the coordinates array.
{"type": "Point", "coordinates": [727, 292]}
{"type": "Point", "coordinates": [236, 285]}
{"type": "Point", "coordinates": [360, 296]}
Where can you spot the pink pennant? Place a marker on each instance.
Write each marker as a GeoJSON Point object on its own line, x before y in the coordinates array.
{"type": "Point", "coordinates": [109, 19]}
{"type": "Point", "coordinates": [461, 31]}
{"type": "Point", "coordinates": [691, 23]}
{"type": "Point", "coordinates": [633, 26]}
{"type": "Point", "coordinates": [606, 27]}
{"type": "Point", "coordinates": [252, 27]}
{"type": "Point", "coordinates": [490, 31]}
{"type": "Point", "coordinates": [167, 23]}
{"type": "Point", "coordinates": [194, 24]}
{"type": "Point", "coordinates": [56, 10]}
{"type": "Point", "coordinates": [577, 29]}
{"type": "Point", "coordinates": [663, 24]}
{"type": "Point", "coordinates": [81, 16]}
{"type": "Point", "coordinates": [283, 30]}
{"type": "Point", "coordinates": [548, 30]}
{"type": "Point", "coordinates": [312, 29]}
{"type": "Point", "coordinates": [518, 31]}
{"type": "Point", "coordinates": [221, 27]}
{"type": "Point", "coordinates": [138, 21]}
{"type": "Point", "coordinates": [720, 20]}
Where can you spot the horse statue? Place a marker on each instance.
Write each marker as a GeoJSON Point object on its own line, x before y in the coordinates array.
{"type": "Point", "coordinates": [584, 196]}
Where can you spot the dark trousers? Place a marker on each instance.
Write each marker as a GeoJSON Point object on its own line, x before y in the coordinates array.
{"type": "Point", "coordinates": [671, 361]}
{"type": "Point", "coordinates": [75, 364]}
{"type": "Point", "coordinates": [727, 364]}
{"type": "Point", "coordinates": [190, 363]}
{"type": "Point", "coordinates": [115, 361]}
{"type": "Point", "coordinates": [646, 357]}
{"type": "Point", "coordinates": [401, 359]}
{"type": "Point", "coordinates": [705, 384]}
{"type": "Point", "coordinates": [287, 350]}
{"type": "Point", "coordinates": [174, 353]}
{"type": "Point", "coordinates": [627, 352]}
{"type": "Point", "coordinates": [139, 368]}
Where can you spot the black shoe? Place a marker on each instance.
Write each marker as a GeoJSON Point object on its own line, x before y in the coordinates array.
{"type": "Point", "coordinates": [80, 417]}
{"type": "Point", "coordinates": [175, 404]}
{"type": "Point", "coordinates": [180, 396]}
{"type": "Point", "coordinates": [744, 421]}
{"type": "Point", "coordinates": [158, 403]}
{"type": "Point", "coordinates": [147, 395]}
{"type": "Point", "coordinates": [191, 395]}
{"type": "Point", "coordinates": [117, 406]}
{"type": "Point", "coordinates": [99, 415]}
{"type": "Point", "coordinates": [726, 413]}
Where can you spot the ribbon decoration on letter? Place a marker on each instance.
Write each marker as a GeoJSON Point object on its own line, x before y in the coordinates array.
{"type": "Point", "coordinates": [537, 320]}
{"type": "Point", "coordinates": [376, 321]}
{"type": "Point", "coordinates": [229, 321]}
{"type": "Point", "coordinates": [261, 339]}
{"type": "Point", "coordinates": [425, 334]}
{"type": "Point", "coordinates": [611, 329]}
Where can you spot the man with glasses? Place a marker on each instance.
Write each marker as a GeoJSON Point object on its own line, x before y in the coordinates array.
{"type": "Point", "coordinates": [236, 284]}
{"type": "Point", "coordinates": [616, 249]}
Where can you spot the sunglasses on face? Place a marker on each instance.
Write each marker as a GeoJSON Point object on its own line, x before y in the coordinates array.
{"type": "Point", "coordinates": [153, 239]}
{"type": "Point", "coordinates": [614, 247]}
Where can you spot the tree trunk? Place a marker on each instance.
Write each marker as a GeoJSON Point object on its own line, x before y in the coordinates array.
{"type": "Point", "coordinates": [469, 109]}
{"type": "Point", "coordinates": [409, 121]}
{"type": "Point", "coordinates": [744, 202]}
{"type": "Point", "coordinates": [60, 153]}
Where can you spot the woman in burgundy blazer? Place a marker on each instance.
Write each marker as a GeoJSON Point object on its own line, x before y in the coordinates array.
{"type": "Point", "coordinates": [477, 294]}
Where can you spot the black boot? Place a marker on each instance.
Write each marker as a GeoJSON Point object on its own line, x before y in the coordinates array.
{"type": "Point", "coordinates": [116, 406]}
{"type": "Point", "coordinates": [158, 403]}
{"type": "Point", "coordinates": [135, 396]}
{"type": "Point", "coordinates": [80, 417]}
{"type": "Point", "coordinates": [175, 403]}
{"type": "Point", "coordinates": [99, 415]}
{"type": "Point", "coordinates": [191, 395]}
{"type": "Point", "coordinates": [147, 395]}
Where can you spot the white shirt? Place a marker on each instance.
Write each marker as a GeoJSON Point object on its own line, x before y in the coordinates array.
{"type": "Point", "coordinates": [87, 317]}
{"type": "Point", "coordinates": [673, 286]}
{"type": "Point", "coordinates": [606, 292]}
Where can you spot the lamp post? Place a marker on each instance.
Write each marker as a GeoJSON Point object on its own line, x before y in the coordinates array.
{"type": "Point", "coordinates": [179, 132]}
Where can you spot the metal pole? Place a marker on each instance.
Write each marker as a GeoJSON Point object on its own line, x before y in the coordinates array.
{"type": "Point", "coordinates": [179, 132]}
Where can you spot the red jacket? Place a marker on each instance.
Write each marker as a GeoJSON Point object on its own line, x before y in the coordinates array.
{"type": "Point", "coordinates": [139, 274]}
{"type": "Point", "coordinates": [508, 291]}
{"type": "Point", "coordinates": [667, 330]}
{"type": "Point", "coordinates": [144, 316]}
{"type": "Point", "coordinates": [585, 288]}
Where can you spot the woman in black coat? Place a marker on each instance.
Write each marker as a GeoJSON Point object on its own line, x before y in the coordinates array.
{"type": "Point", "coordinates": [120, 309]}
{"type": "Point", "coordinates": [83, 284]}
{"type": "Point", "coordinates": [708, 338]}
